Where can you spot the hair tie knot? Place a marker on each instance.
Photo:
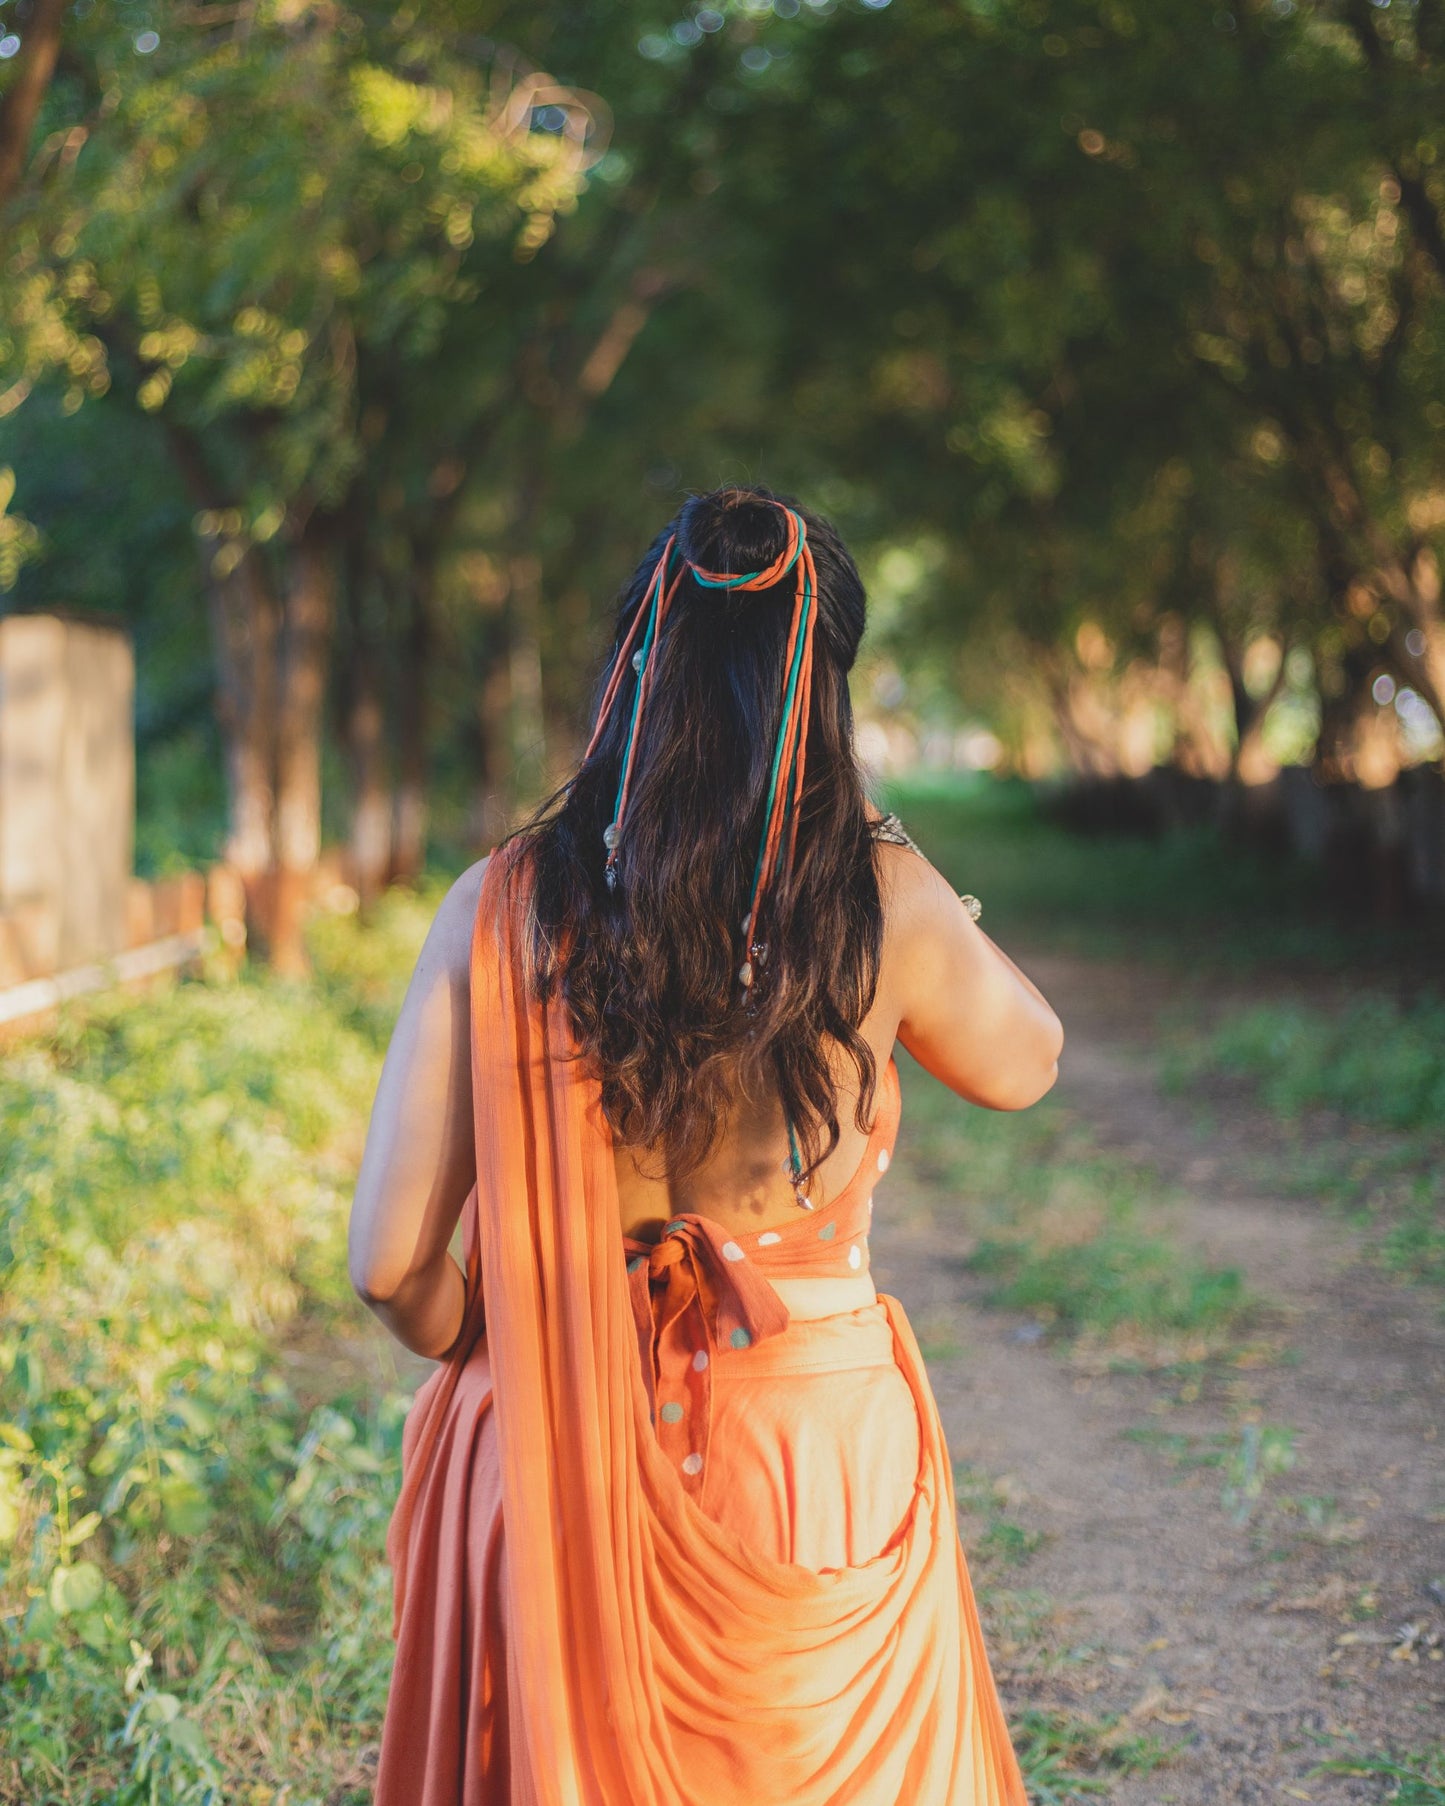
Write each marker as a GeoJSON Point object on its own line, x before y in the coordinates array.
{"type": "Point", "coordinates": [765, 579]}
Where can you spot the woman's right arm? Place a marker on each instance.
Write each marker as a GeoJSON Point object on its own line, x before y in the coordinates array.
{"type": "Point", "coordinates": [419, 1163]}
{"type": "Point", "coordinates": [965, 1011]}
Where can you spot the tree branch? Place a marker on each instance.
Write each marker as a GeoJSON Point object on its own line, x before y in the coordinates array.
{"type": "Point", "coordinates": [20, 104]}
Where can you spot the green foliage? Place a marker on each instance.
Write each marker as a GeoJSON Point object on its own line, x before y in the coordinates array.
{"type": "Point", "coordinates": [193, 1593]}
{"type": "Point", "coordinates": [19, 539]}
{"type": "Point", "coordinates": [1371, 1059]}
{"type": "Point", "coordinates": [1067, 1757]}
{"type": "Point", "coordinates": [227, 276]}
{"type": "Point", "coordinates": [361, 969]}
{"type": "Point", "coordinates": [1414, 1243]}
{"type": "Point", "coordinates": [1119, 1278]}
{"type": "Point", "coordinates": [1414, 1780]}
{"type": "Point", "coordinates": [1185, 898]}
{"type": "Point", "coordinates": [1168, 369]}
{"type": "Point", "coordinates": [1076, 1238]}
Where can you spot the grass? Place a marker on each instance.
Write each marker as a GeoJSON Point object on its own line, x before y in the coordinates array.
{"type": "Point", "coordinates": [1379, 1069]}
{"type": "Point", "coordinates": [1186, 898]}
{"type": "Point", "coordinates": [993, 1539]}
{"type": "Point", "coordinates": [1079, 1240]}
{"type": "Point", "coordinates": [1065, 1756]}
{"type": "Point", "coordinates": [1189, 900]}
{"type": "Point", "coordinates": [1247, 1458]}
{"type": "Point", "coordinates": [1412, 1780]}
{"type": "Point", "coordinates": [1371, 1061]}
{"type": "Point", "coordinates": [194, 1604]}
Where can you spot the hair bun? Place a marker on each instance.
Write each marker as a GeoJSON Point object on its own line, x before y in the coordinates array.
{"type": "Point", "coordinates": [732, 531]}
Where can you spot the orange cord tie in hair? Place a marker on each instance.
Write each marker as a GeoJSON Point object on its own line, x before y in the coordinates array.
{"type": "Point", "coordinates": [785, 776]}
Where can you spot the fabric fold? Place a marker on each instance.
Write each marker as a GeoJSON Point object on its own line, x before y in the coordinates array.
{"type": "Point", "coordinates": [654, 1658]}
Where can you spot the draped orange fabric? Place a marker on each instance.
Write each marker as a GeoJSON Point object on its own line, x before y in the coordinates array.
{"type": "Point", "coordinates": [574, 1629]}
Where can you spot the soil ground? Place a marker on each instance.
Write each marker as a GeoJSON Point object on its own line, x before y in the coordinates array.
{"type": "Point", "coordinates": [1256, 1649]}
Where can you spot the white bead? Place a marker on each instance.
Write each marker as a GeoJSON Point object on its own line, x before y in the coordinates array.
{"type": "Point", "coordinates": [745, 976]}
{"type": "Point", "coordinates": [638, 660]}
{"type": "Point", "coordinates": [609, 836]}
{"type": "Point", "coordinates": [855, 1257]}
{"type": "Point", "coordinates": [731, 1251]}
{"type": "Point", "coordinates": [692, 1464]}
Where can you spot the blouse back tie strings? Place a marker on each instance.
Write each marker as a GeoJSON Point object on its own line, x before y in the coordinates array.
{"type": "Point", "coordinates": [786, 769]}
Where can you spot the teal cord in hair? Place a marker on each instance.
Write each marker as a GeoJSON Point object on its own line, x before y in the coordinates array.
{"type": "Point", "coordinates": [788, 696]}
{"type": "Point", "coordinates": [795, 1165]}
{"type": "Point", "coordinates": [711, 580]}
{"type": "Point", "coordinates": [639, 659]}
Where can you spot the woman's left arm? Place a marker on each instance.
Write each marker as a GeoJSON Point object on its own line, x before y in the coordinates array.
{"type": "Point", "coordinates": [420, 1160]}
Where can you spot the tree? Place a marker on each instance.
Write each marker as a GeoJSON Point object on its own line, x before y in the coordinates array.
{"type": "Point", "coordinates": [254, 292]}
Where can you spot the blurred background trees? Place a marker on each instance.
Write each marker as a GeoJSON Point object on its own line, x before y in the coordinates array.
{"type": "Point", "coordinates": [352, 355]}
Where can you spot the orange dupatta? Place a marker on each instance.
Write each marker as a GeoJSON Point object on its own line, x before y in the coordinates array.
{"type": "Point", "coordinates": [653, 1659]}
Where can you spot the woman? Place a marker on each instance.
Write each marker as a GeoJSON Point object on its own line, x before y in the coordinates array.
{"type": "Point", "coordinates": [676, 1522]}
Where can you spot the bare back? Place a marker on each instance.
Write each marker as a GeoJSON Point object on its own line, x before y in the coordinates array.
{"type": "Point", "coordinates": [929, 941]}
{"type": "Point", "coordinates": [945, 993]}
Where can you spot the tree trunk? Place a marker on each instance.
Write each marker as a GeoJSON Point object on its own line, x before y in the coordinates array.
{"type": "Point", "coordinates": [20, 105]}
{"type": "Point", "coordinates": [364, 729]}
{"type": "Point", "coordinates": [495, 733]}
{"type": "Point", "coordinates": [244, 623]}
{"type": "Point", "coordinates": [409, 821]}
{"type": "Point", "coordinates": [524, 652]}
{"type": "Point", "coordinates": [310, 591]}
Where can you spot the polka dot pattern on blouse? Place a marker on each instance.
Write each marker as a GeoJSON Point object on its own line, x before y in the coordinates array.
{"type": "Point", "coordinates": [700, 1294]}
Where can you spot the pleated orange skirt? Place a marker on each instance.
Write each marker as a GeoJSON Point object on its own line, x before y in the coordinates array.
{"type": "Point", "coordinates": [814, 1459]}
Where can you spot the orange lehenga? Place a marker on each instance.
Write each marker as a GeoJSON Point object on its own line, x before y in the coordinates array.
{"type": "Point", "coordinates": [655, 1544]}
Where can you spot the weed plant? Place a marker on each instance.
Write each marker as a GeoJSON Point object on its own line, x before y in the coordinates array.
{"type": "Point", "coordinates": [1413, 1780]}
{"type": "Point", "coordinates": [194, 1604]}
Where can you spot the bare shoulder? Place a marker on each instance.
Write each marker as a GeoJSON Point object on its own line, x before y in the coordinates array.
{"type": "Point", "coordinates": [915, 894]}
{"type": "Point", "coordinates": [449, 941]}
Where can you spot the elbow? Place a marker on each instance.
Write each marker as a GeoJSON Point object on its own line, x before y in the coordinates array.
{"type": "Point", "coordinates": [374, 1280]}
{"type": "Point", "coordinates": [1049, 1061]}
{"type": "Point", "coordinates": [370, 1290]}
{"type": "Point", "coordinates": [1027, 1089]}
{"type": "Point", "coordinates": [1041, 1074]}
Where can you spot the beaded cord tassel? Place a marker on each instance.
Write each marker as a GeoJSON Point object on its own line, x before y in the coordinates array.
{"type": "Point", "coordinates": [660, 594]}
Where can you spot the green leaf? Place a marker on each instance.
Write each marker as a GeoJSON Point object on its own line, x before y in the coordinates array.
{"type": "Point", "coordinates": [76, 1589]}
{"type": "Point", "coordinates": [186, 1509]}
{"type": "Point", "coordinates": [83, 1528]}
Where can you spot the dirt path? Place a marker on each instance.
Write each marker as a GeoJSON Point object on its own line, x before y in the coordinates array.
{"type": "Point", "coordinates": [1254, 1646]}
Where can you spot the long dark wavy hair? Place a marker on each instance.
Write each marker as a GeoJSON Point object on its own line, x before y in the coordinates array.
{"type": "Point", "coordinates": [649, 971]}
